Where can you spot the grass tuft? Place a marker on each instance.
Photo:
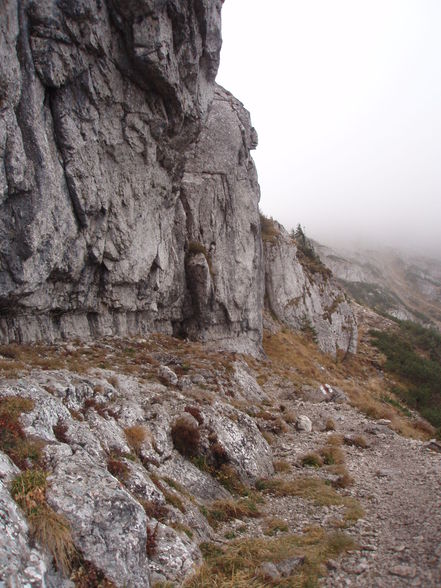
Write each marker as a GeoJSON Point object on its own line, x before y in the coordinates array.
{"type": "Point", "coordinates": [45, 525]}
{"type": "Point", "coordinates": [234, 565]}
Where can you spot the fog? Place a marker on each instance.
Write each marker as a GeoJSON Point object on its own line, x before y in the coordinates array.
{"type": "Point", "coordinates": [346, 98]}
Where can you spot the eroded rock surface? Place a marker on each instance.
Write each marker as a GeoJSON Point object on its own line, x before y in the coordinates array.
{"type": "Point", "coordinates": [134, 504]}
{"type": "Point", "coordinates": [118, 154]}
{"type": "Point", "coordinates": [306, 299]}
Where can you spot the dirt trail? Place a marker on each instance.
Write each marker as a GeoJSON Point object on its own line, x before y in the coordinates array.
{"type": "Point", "coordinates": [398, 483]}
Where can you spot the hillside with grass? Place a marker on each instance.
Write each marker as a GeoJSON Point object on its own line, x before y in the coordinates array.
{"type": "Point", "coordinates": [413, 354]}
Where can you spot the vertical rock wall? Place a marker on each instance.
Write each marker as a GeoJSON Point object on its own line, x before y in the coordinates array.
{"type": "Point", "coordinates": [106, 179]}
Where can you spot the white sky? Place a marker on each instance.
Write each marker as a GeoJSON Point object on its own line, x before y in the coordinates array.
{"type": "Point", "coordinates": [346, 98]}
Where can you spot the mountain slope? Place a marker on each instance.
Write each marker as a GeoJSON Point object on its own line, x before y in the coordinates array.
{"type": "Point", "coordinates": [404, 286]}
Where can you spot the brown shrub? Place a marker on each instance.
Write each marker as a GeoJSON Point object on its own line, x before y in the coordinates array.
{"type": "Point", "coordinates": [219, 454]}
{"type": "Point", "coordinates": [289, 417]}
{"type": "Point", "coordinates": [136, 436]}
{"type": "Point", "coordinates": [86, 575]}
{"type": "Point", "coordinates": [151, 543]}
{"type": "Point", "coordinates": [118, 468]}
{"type": "Point", "coordinates": [154, 510]}
{"type": "Point", "coordinates": [330, 425]}
{"type": "Point", "coordinates": [60, 432]}
{"type": "Point", "coordinates": [186, 437]}
{"type": "Point", "coordinates": [13, 442]}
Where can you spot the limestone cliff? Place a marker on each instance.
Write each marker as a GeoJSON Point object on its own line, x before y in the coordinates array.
{"type": "Point", "coordinates": [109, 189]}
{"type": "Point", "coordinates": [129, 200]}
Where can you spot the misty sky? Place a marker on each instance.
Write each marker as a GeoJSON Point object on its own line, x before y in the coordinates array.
{"type": "Point", "coordinates": [346, 98]}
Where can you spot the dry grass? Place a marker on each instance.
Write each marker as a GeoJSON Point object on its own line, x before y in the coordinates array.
{"type": "Point", "coordinates": [234, 566]}
{"type": "Point", "coordinates": [316, 490]}
{"type": "Point", "coordinates": [275, 526]}
{"type": "Point", "coordinates": [270, 232]}
{"type": "Point", "coordinates": [331, 454]}
{"type": "Point", "coordinates": [134, 356]}
{"type": "Point", "coordinates": [221, 511]}
{"type": "Point", "coordinates": [171, 497]}
{"type": "Point", "coordinates": [136, 436]}
{"type": "Point", "coordinates": [296, 360]}
{"type": "Point", "coordinates": [153, 510]}
{"type": "Point", "coordinates": [311, 459]}
{"type": "Point", "coordinates": [335, 439]}
{"type": "Point", "coordinates": [46, 526]}
{"type": "Point", "coordinates": [281, 465]}
{"type": "Point", "coordinates": [357, 441]}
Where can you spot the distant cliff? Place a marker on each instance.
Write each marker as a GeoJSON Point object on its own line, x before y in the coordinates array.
{"type": "Point", "coordinates": [129, 200]}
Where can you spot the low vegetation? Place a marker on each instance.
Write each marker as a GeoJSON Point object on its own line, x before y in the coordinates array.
{"type": "Point", "coordinates": [269, 229]}
{"type": "Point", "coordinates": [186, 437]}
{"type": "Point", "coordinates": [298, 361]}
{"type": "Point", "coordinates": [413, 353]}
{"type": "Point", "coordinates": [25, 453]}
{"type": "Point", "coordinates": [237, 563]}
{"type": "Point", "coordinates": [136, 437]}
{"type": "Point", "coordinates": [307, 255]}
{"type": "Point", "coordinates": [221, 511]}
{"type": "Point", "coordinates": [45, 526]}
{"type": "Point", "coordinates": [317, 490]}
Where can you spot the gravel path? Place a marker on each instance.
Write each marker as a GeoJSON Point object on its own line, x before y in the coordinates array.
{"type": "Point", "coordinates": [398, 483]}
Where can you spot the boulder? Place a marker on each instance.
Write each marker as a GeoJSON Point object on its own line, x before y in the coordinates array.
{"type": "Point", "coordinates": [303, 423]}
{"type": "Point", "coordinates": [107, 523]}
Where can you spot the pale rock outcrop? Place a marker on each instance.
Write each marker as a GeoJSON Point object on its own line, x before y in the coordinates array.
{"type": "Point", "coordinates": [106, 521]}
{"type": "Point", "coordinates": [247, 451]}
{"type": "Point", "coordinates": [303, 423]}
{"type": "Point", "coordinates": [307, 300]}
{"type": "Point", "coordinates": [109, 517]}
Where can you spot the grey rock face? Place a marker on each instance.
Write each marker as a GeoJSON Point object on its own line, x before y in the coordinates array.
{"type": "Point", "coordinates": [303, 423]}
{"type": "Point", "coordinates": [247, 450]}
{"type": "Point", "coordinates": [107, 522]}
{"type": "Point", "coordinates": [305, 300]}
{"type": "Point", "coordinates": [114, 159]}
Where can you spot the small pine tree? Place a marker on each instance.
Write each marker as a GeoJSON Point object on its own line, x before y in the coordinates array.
{"type": "Point", "coordinates": [300, 236]}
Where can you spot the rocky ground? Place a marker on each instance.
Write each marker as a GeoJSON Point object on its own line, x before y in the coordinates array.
{"type": "Point", "coordinates": [398, 483]}
{"type": "Point", "coordinates": [278, 480]}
